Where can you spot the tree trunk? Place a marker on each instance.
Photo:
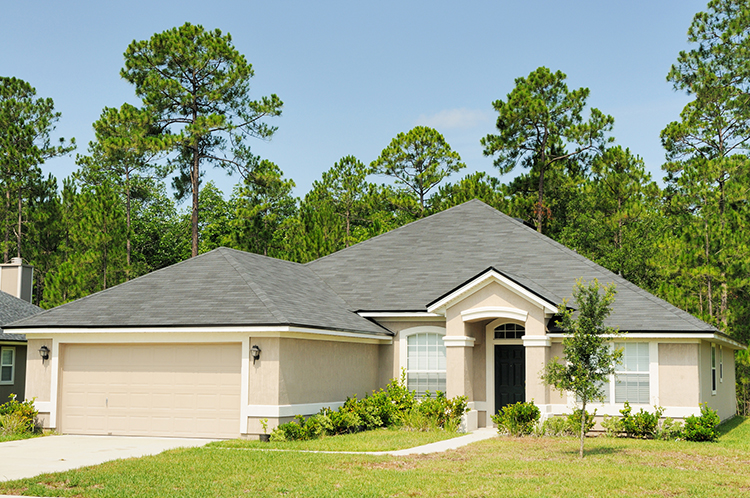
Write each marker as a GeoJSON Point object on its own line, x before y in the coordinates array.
{"type": "Point", "coordinates": [20, 222]}
{"type": "Point", "coordinates": [540, 200]}
{"type": "Point", "coordinates": [7, 227]}
{"type": "Point", "coordinates": [127, 218]}
{"type": "Point", "coordinates": [583, 428]}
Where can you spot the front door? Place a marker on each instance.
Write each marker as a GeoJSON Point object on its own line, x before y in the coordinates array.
{"type": "Point", "coordinates": [510, 375]}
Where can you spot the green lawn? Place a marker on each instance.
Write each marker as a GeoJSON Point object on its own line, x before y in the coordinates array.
{"type": "Point", "coordinates": [16, 437]}
{"type": "Point", "coordinates": [522, 467]}
{"type": "Point", "coordinates": [379, 440]}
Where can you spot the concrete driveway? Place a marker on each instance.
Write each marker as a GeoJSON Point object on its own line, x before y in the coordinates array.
{"type": "Point", "coordinates": [31, 457]}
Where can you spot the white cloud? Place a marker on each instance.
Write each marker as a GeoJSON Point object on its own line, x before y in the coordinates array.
{"type": "Point", "coordinates": [455, 118]}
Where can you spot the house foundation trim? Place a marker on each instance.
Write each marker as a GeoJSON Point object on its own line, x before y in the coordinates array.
{"type": "Point", "coordinates": [277, 411]}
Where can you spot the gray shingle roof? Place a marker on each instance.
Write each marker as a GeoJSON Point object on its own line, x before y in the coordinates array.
{"type": "Point", "coordinates": [402, 270]}
{"type": "Point", "coordinates": [12, 309]}
{"type": "Point", "coordinates": [407, 268]}
{"type": "Point", "coordinates": [223, 287]}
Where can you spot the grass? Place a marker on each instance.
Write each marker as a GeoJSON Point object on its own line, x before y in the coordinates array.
{"type": "Point", "coordinates": [378, 440]}
{"type": "Point", "coordinates": [16, 437]}
{"type": "Point", "coordinates": [503, 466]}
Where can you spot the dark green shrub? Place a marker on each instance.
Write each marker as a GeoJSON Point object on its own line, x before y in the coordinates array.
{"type": "Point", "coordinates": [574, 422]}
{"type": "Point", "coordinates": [702, 428]}
{"type": "Point", "coordinates": [517, 419]}
{"type": "Point", "coordinates": [643, 424]}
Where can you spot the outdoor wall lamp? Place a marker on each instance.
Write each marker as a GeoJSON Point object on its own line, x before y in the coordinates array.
{"type": "Point", "coordinates": [44, 353]}
{"type": "Point", "coordinates": [255, 352]}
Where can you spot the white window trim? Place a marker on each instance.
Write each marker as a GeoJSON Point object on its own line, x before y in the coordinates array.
{"type": "Point", "coordinates": [653, 379]}
{"type": "Point", "coordinates": [403, 345]}
{"type": "Point", "coordinates": [12, 365]}
{"type": "Point", "coordinates": [721, 363]}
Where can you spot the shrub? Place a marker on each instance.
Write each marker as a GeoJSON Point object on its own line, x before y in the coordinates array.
{"type": "Point", "coordinates": [612, 426]}
{"type": "Point", "coordinates": [553, 427]}
{"type": "Point", "coordinates": [12, 424]}
{"type": "Point", "coordinates": [702, 428]}
{"type": "Point", "coordinates": [574, 421]}
{"type": "Point", "coordinates": [23, 414]}
{"type": "Point", "coordinates": [669, 430]}
{"type": "Point", "coordinates": [517, 419]}
{"type": "Point", "coordinates": [643, 424]}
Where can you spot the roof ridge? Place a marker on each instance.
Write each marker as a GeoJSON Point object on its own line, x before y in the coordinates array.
{"type": "Point", "coordinates": [397, 229]}
{"type": "Point", "coordinates": [255, 288]}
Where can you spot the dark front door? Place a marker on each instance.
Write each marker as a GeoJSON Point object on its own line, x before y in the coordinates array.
{"type": "Point", "coordinates": [510, 375]}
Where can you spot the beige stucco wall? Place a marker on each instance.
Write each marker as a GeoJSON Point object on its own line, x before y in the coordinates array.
{"type": "Point", "coordinates": [479, 359]}
{"type": "Point", "coordinates": [263, 378]}
{"type": "Point", "coordinates": [312, 371]}
{"type": "Point", "coordinates": [9, 279]}
{"type": "Point", "coordinates": [555, 396]}
{"type": "Point", "coordinates": [678, 374]}
{"type": "Point", "coordinates": [725, 399]}
{"type": "Point", "coordinates": [38, 374]}
{"type": "Point", "coordinates": [494, 294]}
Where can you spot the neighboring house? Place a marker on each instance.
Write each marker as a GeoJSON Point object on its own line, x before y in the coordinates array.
{"type": "Point", "coordinates": [463, 301]}
{"type": "Point", "coordinates": [15, 282]}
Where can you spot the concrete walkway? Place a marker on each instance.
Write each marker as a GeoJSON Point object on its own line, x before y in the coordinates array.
{"type": "Point", "coordinates": [31, 457]}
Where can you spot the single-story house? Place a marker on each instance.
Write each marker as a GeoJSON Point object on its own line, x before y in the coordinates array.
{"type": "Point", "coordinates": [15, 303]}
{"type": "Point", "coordinates": [463, 301]}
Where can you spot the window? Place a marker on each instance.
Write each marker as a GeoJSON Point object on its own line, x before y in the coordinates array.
{"type": "Point", "coordinates": [425, 363]}
{"type": "Point", "coordinates": [509, 331]}
{"type": "Point", "coordinates": [721, 364]}
{"type": "Point", "coordinates": [7, 364]}
{"type": "Point", "coordinates": [713, 368]}
{"type": "Point", "coordinates": [632, 374]}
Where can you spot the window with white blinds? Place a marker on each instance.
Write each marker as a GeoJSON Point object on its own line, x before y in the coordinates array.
{"type": "Point", "coordinates": [425, 363]}
{"type": "Point", "coordinates": [633, 377]}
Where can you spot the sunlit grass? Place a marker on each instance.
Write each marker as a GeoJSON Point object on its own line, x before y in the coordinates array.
{"type": "Point", "coordinates": [503, 466]}
{"type": "Point", "coordinates": [377, 440]}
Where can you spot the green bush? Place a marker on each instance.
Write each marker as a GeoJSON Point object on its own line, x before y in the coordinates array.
{"type": "Point", "coordinates": [393, 406]}
{"type": "Point", "coordinates": [518, 419]}
{"type": "Point", "coordinates": [553, 427]}
{"type": "Point", "coordinates": [669, 430]}
{"type": "Point", "coordinates": [574, 421]}
{"type": "Point", "coordinates": [702, 428]}
{"type": "Point", "coordinates": [21, 415]}
{"type": "Point", "coordinates": [613, 426]}
{"type": "Point", "coordinates": [643, 424]}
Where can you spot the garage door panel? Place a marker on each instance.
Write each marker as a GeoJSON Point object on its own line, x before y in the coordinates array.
{"type": "Point", "coordinates": [166, 390]}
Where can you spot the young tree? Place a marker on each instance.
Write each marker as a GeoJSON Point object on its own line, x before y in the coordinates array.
{"type": "Point", "coordinates": [196, 84]}
{"type": "Point", "coordinates": [418, 160]}
{"type": "Point", "coordinates": [588, 358]}
{"type": "Point", "coordinates": [539, 121]}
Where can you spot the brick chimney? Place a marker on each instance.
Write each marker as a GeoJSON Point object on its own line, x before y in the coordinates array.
{"type": "Point", "coordinates": [17, 278]}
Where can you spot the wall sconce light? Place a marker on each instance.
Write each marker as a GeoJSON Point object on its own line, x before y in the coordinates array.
{"type": "Point", "coordinates": [255, 352]}
{"type": "Point", "coordinates": [44, 353]}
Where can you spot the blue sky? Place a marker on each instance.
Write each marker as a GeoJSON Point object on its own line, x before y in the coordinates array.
{"type": "Point", "coordinates": [352, 75]}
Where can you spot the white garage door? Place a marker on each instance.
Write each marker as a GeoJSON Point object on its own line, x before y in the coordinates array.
{"type": "Point", "coordinates": [180, 390]}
